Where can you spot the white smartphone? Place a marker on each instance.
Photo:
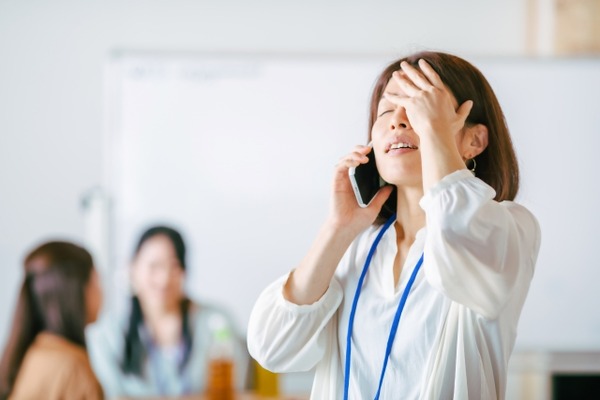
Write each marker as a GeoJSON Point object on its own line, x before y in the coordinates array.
{"type": "Point", "coordinates": [365, 180]}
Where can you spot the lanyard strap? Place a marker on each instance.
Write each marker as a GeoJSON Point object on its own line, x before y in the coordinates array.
{"type": "Point", "coordinates": [392, 336]}
{"type": "Point", "coordinates": [396, 321]}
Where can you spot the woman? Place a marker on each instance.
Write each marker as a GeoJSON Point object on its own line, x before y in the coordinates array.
{"type": "Point", "coordinates": [45, 357]}
{"type": "Point", "coordinates": [161, 349]}
{"type": "Point", "coordinates": [428, 309]}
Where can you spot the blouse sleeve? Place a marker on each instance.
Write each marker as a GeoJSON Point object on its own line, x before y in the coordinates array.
{"type": "Point", "coordinates": [477, 250]}
{"type": "Point", "coordinates": [286, 337]}
{"type": "Point", "coordinates": [104, 344]}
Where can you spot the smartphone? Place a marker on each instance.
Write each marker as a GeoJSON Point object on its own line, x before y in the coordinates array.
{"type": "Point", "coordinates": [365, 180]}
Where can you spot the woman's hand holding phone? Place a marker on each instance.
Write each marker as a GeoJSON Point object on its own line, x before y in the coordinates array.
{"type": "Point", "coordinates": [311, 278]}
{"type": "Point", "coordinates": [345, 210]}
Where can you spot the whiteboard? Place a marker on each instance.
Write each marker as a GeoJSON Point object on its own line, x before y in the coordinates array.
{"type": "Point", "coordinates": [238, 152]}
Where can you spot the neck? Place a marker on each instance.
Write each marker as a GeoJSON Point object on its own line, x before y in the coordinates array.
{"type": "Point", "coordinates": [410, 217]}
{"type": "Point", "coordinates": [163, 323]}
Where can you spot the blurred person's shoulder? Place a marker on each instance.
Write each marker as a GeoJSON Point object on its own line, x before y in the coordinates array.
{"type": "Point", "coordinates": [107, 334]}
{"type": "Point", "coordinates": [201, 312]}
{"type": "Point", "coordinates": [48, 347]}
{"type": "Point", "coordinates": [53, 365]}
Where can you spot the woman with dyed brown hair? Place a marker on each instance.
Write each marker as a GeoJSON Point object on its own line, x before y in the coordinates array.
{"type": "Point", "coordinates": [428, 309]}
{"type": "Point", "coordinates": [45, 356]}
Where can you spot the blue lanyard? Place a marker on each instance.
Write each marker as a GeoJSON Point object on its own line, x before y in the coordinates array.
{"type": "Point", "coordinates": [394, 328]}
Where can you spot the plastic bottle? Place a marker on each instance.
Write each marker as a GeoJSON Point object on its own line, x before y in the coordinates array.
{"type": "Point", "coordinates": [266, 382]}
{"type": "Point", "coordinates": [220, 379]}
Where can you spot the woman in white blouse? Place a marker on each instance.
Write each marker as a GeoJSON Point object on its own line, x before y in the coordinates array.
{"type": "Point", "coordinates": [433, 312]}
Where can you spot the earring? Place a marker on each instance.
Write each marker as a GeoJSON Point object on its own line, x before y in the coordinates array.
{"type": "Point", "coordinates": [473, 165]}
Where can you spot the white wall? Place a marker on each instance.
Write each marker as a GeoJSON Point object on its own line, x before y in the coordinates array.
{"type": "Point", "coordinates": [52, 55]}
{"type": "Point", "coordinates": [247, 177]}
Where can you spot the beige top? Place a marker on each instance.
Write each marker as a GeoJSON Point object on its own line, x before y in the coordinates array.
{"type": "Point", "coordinates": [54, 368]}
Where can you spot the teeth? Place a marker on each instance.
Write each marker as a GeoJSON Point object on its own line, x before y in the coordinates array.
{"type": "Point", "coordinates": [401, 146]}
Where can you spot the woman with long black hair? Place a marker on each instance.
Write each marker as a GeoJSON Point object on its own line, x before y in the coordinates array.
{"type": "Point", "coordinates": [160, 348]}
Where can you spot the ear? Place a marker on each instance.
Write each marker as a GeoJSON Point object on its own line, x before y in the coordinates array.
{"type": "Point", "coordinates": [475, 141]}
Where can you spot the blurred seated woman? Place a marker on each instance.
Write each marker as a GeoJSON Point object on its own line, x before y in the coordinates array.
{"type": "Point", "coordinates": [160, 347]}
{"type": "Point", "coordinates": [45, 356]}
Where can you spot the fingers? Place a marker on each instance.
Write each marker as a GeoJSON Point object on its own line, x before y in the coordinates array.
{"type": "Point", "coordinates": [464, 110]}
{"type": "Point", "coordinates": [431, 75]}
{"type": "Point", "coordinates": [396, 100]}
{"type": "Point", "coordinates": [415, 76]}
{"type": "Point", "coordinates": [405, 84]}
{"type": "Point", "coordinates": [382, 195]}
{"type": "Point", "coordinates": [412, 81]}
{"type": "Point", "coordinates": [356, 157]}
{"type": "Point", "coordinates": [415, 80]}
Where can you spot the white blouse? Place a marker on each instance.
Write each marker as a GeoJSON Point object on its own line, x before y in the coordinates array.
{"type": "Point", "coordinates": [458, 327]}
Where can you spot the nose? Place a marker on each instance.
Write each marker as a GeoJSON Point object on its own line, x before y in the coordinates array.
{"type": "Point", "coordinates": [399, 119]}
{"type": "Point", "coordinates": [162, 277]}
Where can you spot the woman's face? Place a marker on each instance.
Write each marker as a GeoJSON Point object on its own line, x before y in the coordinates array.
{"type": "Point", "coordinates": [402, 166]}
{"type": "Point", "coordinates": [93, 297]}
{"type": "Point", "coordinates": [395, 143]}
{"type": "Point", "coordinates": [157, 275]}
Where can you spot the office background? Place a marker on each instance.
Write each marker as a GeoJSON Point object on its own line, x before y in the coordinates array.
{"type": "Point", "coordinates": [53, 83]}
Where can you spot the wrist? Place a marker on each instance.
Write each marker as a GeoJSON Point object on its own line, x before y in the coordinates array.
{"type": "Point", "coordinates": [340, 228]}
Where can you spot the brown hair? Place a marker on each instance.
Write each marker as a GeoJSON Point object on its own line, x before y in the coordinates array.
{"type": "Point", "coordinates": [497, 164]}
{"type": "Point", "coordinates": [52, 299]}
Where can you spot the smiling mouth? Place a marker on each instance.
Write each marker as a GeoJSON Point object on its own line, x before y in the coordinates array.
{"type": "Point", "coordinates": [401, 145]}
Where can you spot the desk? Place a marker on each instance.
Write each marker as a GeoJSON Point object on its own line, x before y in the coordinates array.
{"type": "Point", "coordinates": [239, 396]}
{"type": "Point", "coordinates": [251, 396]}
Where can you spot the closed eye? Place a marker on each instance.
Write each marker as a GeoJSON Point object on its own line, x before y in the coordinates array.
{"type": "Point", "coordinates": [384, 112]}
